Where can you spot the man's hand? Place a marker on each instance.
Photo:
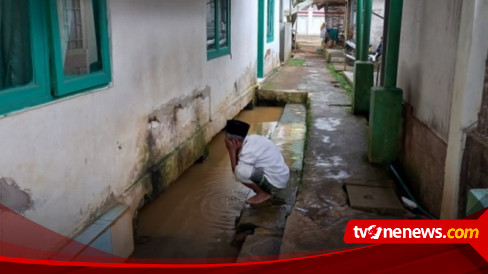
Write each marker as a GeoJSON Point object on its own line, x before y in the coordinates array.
{"type": "Point", "coordinates": [229, 144]}
{"type": "Point", "coordinates": [232, 145]}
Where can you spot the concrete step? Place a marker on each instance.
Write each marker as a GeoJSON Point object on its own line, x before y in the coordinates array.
{"type": "Point", "coordinates": [337, 60]}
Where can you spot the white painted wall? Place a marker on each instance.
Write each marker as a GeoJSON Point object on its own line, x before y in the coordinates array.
{"type": "Point", "coordinates": [309, 24]}
{"type": "Point", "coordinates": [377, 23]}
{"type": "Point", "coordinates": [74, 154]}
{"type": "Point", "coordinates": [467, 95]}
{"type": "Point", "coordinates": [441, 70]}
{"type": "Point", "coordinates": [272, 49]}
{"type": "Point", "coordinates": [427, 60]}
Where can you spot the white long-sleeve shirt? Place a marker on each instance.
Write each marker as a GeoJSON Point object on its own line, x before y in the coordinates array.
{"type": "Point", "coordinates": [258, 151]}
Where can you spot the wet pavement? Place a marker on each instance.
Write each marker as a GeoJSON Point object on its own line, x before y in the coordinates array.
{"type": "Point", "coordinates": [335, 161]}
{"type": "Point", "coordinates": [331, 182]}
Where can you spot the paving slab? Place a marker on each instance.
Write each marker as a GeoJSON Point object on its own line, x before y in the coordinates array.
{"type": "Point", "coordinates": [290, 81]}
{"type": "Point", "coordinates": [375, 199]}
{"type": "Point", "coordinates": [293, 114]}
{"type": "Point", "coordinates": [372, 183]}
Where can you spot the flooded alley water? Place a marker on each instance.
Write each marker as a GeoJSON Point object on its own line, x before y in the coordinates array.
{"type": "Point", "coordinates": [195, 217]}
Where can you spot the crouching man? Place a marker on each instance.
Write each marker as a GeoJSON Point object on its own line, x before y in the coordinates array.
{"type": "Point", "coordinates": [256, 161]}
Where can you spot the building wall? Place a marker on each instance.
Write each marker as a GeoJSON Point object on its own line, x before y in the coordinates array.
{"type": "Point", "coordinates": [467, 95]}
{"type": "Point", "coordinates": [72, 158]}
{"type": "Point", "coordinates": [309, 21]}
{"type": "Point", "coordinates": [427, 63]}
{"type": "Point", "coordinates": [427, 59]}
{"type": "Point", "coordinates": [377, 22]}
{"type": "Point", "coordinates": [272, 49]}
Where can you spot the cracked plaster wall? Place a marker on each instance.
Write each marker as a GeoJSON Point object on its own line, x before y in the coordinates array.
{"type": "Point", "coordinates": [79, 155]}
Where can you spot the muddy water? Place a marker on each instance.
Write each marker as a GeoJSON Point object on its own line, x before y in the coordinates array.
{"type": "Point", "coordinates": [195, 217]}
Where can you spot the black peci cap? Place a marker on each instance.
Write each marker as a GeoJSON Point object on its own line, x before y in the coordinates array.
{"type": "Point", "coordinates": [236, 127]}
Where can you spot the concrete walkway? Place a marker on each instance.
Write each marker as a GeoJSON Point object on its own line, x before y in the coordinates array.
{"type": "Point", "coordinates": [338, 184]}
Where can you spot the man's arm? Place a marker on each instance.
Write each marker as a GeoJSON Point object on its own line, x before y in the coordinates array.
{"type": "Point", "coordinates": [232, 147]}
{"type": "Point", "coordinates": [234, 158]}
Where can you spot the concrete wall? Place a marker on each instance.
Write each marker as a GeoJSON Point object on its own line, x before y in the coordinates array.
{"type": "Point", "coordinates": [467, 95]}
{"type": "Point", "coordinates": [427, 59]}
{"type": "Point", "coordinates": [427, 65]}
{"type": "Point", "coordinates": [272, 49]}
{"type": "Point", "coordinates": [309, 21]}
{"type": "Point", "coordinates": [442, 53]}
{"type": "Point", "coordinates": [71, 159]}
{"type": "Point", "coordinates": [285, 41]}
{"type": "Point", "coordinates": [377, 22]}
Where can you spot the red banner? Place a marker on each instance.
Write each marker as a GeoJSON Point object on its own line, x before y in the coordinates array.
{"type": "Point", "coordinates": [436, 245]}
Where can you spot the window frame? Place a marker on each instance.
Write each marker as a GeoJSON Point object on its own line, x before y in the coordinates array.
{"type": "Point", "coordinates": [48, 81]}
{"type": "Point", "coordinates": [65, 85]}
{"type": "Point", "coordinates": [218, 50]}
{"type": "Point", "coordinates": [270, 23]}
{"type": "Point", "coordinates": [37, 90]}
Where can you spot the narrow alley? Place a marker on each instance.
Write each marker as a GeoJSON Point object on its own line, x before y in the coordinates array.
{"type": "Point", "coordinates": [113, 116]}
{"type": "Point", "coordinates": [178, 223]}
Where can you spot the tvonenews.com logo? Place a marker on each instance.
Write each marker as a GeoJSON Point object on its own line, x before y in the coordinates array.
{"type": "Point", "coordinates": [466, 231]}
{"type": "Point", "coordinates": [375, 232]}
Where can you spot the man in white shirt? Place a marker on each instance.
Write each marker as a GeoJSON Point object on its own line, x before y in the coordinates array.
{"type": "Point", "coordinates": [256, 161]}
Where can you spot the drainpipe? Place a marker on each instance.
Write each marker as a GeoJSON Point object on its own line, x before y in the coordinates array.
{"type": "Point", "coordinates": [363, 69]}
{"type": "Point", "coordinates": [385, 119]}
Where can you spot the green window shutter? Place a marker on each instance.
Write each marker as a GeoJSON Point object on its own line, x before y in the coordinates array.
{"type": "Point", "coordinates": [270, 25]}
{"type": "Point", "coordinates": [79, 45]}
{"type": "Point", "coordinates": [23, 62]}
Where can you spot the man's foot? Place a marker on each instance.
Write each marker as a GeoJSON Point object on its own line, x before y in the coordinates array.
{"type": "Point", "coordinates": [259, 198]}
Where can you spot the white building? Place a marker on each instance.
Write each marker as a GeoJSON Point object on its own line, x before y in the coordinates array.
{"type": "Point", "coordinates": [120, 99]}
